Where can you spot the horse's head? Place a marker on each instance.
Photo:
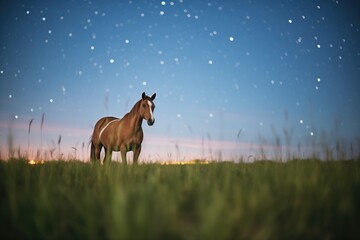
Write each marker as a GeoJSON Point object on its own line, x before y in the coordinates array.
{"type": "Point", "coordinates": [147, 107]}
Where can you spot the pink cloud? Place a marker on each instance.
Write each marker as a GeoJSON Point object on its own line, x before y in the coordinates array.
{"type": "Point", "coordinates": [47, 128]}
{"type": "Point", "coordinates": [197, 143]}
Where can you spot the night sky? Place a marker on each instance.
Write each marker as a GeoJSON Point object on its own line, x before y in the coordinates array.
{"type": "Point", "coordinates": [231, 77]}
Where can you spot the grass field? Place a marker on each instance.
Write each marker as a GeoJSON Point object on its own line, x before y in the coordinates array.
{"type": "Point", "coordinates": [262, 200]}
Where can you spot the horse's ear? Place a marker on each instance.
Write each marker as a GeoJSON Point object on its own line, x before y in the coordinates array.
{"type": "Point", "coordinates": [143, 95]}
{"type": "Point", "coordinates": [153, 97]}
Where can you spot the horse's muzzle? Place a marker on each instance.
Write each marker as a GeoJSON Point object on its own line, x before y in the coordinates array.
{"type": "Point", "coordinates": [151, 122]}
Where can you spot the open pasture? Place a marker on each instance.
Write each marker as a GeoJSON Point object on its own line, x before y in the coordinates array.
{"type": "Point", "coordinates": [261, 200]}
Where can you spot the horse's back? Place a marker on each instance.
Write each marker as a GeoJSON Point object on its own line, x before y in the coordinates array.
{"type": "Point", "coordinates": [100, 124]}
{"type": "Point", "coordinates": [103, 121]}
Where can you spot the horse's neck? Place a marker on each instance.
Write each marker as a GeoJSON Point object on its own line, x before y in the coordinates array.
{"type": "Point", "coordinates": [134, 117]}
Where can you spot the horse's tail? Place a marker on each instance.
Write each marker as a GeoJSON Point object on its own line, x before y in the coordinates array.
{"type": "Point", "coordinates": [92, 150]}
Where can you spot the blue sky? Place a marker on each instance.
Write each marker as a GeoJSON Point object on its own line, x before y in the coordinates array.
{"type": "Point", "coordinates": [219, 68]}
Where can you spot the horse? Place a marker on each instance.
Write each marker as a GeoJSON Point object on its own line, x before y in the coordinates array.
{"type": "Point", "coordinates": [123, 134]}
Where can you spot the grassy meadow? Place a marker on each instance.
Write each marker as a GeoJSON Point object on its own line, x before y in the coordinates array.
{"type": "Point", "coordinates": [262, 200]}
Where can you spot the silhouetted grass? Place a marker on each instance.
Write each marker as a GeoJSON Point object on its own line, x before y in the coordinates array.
{"type": "Point", "coordinates": [262, 200]}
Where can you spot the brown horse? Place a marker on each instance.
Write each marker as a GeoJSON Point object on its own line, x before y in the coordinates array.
{"type": "Point", "coordinates": [125, 134]}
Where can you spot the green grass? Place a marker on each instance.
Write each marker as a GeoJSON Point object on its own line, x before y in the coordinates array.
{"type": "Point", "coordinates": [262, 200]}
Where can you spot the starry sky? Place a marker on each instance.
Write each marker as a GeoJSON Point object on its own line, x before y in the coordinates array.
{"type": "Point", "coordinates": [232, 78]}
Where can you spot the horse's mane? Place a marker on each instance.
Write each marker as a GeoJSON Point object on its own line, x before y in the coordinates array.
{"type": "Point", "coordinates": [135, 108]}
{"type": "Point", "coordinates": [137, 105]}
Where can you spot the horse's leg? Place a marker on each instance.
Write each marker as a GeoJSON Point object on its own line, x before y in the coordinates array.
{"type": "Point", "coordinates": [108, 154]}
{"type": "Point", "coordinates": [123, 155]}
{"type": "Point", "coordinates": [97, 152]}
{"type": "Point", "coordinates": [137, 151]}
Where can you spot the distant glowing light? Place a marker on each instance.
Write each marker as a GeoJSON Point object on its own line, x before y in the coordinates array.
{"type": "Point", "coordinates": [32, 162]}
{"type": "Point", "coordinates": [290, 21]}
{"type": "Point", "coordinates": [163, 3]}
{"type": "Point", "coordinates": [16, 116]}
{"type": "Point", "coordinates": [127, 41]}
{"type": "Point", "coordinates": [27, 12]}
{"type": "Point", "coordinates": [162, 13]}
{"type": "Point", "coordinates": [44, 18]}
{"type": "Point", "coordinates": [142, 15]}
{"type": "Point", "coordinates": [316, 87]}
{"type": "Point", "coordinates": [231, 39]}
{"type": "Point", "coordinates": [10, 96]}
{"type": "Point", "coordinates": [162, 62]}
{"type": "Point", "coordinates": [144, 83]}
{"type": "Point", "coordinates": [210, 62]}
{"type": "Point", "coordinates": [31, 110]}
{"type": "Point", "coordinates": [213, 33]}
{"type": "Point", "coordinates": [318, 79]}
{"type": "Point", "coordinates": [318, 46]}
{"type": "Point", "coordinates": [193, 162]}
{"type": "Point", "coordinates": [112, 60]}
{"type": "Point", "coordinates": [211, 115]}
{"type": "Point", "coordinates": [51, 100]}
{"type": "Point", "coordinates": [92, 47]}
{"type": "Point", "coordinates": [311, 133]}
{"type": "Point", "coordinates": [70, 34]}
{"type": "Point", "coordinates": [301, 121]}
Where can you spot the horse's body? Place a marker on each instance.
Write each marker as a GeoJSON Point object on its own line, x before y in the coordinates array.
{"type": "Point", "coordinates": [125, 134]}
